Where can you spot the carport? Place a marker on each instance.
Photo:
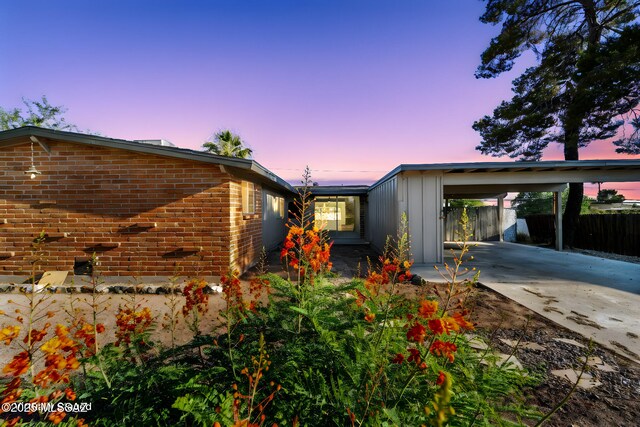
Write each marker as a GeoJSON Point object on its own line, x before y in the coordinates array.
{"type": "Point", "coordinates": [419, 190]}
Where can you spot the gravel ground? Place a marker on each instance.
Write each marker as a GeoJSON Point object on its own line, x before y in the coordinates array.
{"type": "Point", "coordinates": [615, 402]}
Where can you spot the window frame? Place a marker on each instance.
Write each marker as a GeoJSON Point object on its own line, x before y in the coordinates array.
{"type": "Point", "coordinates": [248, 196]}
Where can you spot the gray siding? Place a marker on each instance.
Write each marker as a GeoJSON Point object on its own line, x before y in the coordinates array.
{"type": "Point", "coordinates": [273, 219]}
{"type": "Point", "coordinates": [420, 196]}
{"type": "Point", "coordinates": [383, 213]}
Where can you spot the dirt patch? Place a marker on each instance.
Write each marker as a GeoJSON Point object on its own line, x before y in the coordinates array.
{"type": "Point", "coordinates": [616, 402]}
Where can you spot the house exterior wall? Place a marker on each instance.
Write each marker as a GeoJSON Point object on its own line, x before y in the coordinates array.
{"type": "Point", "coordinates": [157, 216]}
{"type": "Point", "coordinates": [421, 197]}
{"type": "Point", "coordinates": [245, 233]}
{"type": "Point", "coordinates": [383, 214]}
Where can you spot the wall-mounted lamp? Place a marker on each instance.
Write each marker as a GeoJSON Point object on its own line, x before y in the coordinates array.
{"type": "Point", "coordinates": [32, 171]}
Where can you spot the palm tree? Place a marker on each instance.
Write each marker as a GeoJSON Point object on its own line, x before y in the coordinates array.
{"type": "Point", "coordinates": [227, 144]}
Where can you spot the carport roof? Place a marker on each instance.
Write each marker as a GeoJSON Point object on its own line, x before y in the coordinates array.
{"type": "Point", "coordinates": [498, 175]}
{"type": "Point", "coordinates": [244, 166]}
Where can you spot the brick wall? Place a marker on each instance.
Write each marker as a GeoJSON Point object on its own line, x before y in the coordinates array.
{"type": "Point", "coordinates": [246, 230]}
{"type": "Point", "coordinates": [142, 214]}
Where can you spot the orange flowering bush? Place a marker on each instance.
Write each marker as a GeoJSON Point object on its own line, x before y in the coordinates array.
{"type": "Point", "coordinates": [196, 303]}
{"type": "Point", "coordinates": [306, 252]}
{"type": "Point", "coordinates": [132, 326]}
{"type": "Point", "coordinates": [305, 248]}
{"type": "Point", "coordinates": [41, 369]}
{"type": "Point", "coordinates": [232, 290]}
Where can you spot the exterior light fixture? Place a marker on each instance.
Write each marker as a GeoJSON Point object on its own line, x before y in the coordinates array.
{"type": "Point", "coordinates": [32, 171]}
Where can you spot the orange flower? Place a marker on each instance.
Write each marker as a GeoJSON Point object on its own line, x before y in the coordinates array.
{"type": "Point", "coordinates": [195, 297]}
{"type": "Point", "coordinates": [18, 365]}
{"type": "Point", "coordinates": [443, 348]}
{"type": "Point", "coordinates": [257, 286]}
{"type": "Point", "coordinates": [12, 391]}
{"type": "Point", "coordinates": [36, 335]}
{"type": "Point", "coordinates": [361, 298]}
{"type": "Point", "coordinates": [57, 417]}
{"type": "Point", "coordinates": [12, 422]}
{"type": "Point", "coordinates": [427, 308]}
{"type": "Point", "coordinates": [52, 346]}
{"type": "Point", "coordinates": [450, 325]}
{"type": "Point", "coordinates": [70, 394]}
{"type": "Point", "coordinates": [72, 362]}
{"type": "Point", "coordinates": [417, 333]}
{"type": "Point", "coordinates": [370, 317]}
{"type": "Point", "coordinates": [9, 333]}
{"type": "Point", "coordinates": [232, 290]}
{"type": "Point", "coordinates": [81, 423]}
{"type": "Point", "coordinates": [130, 322]}
{"type": "Point", "coordinates": [462, 322]}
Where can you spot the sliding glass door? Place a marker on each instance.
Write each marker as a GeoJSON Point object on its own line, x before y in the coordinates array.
{"type": "Point", "coordinates": [340, 215]}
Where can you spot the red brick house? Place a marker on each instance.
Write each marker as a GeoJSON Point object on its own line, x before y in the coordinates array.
{"type": "Point", "coordinates": [144, 208]}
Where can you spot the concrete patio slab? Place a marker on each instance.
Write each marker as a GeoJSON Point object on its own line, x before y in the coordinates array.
{"type": "Point", "coordinates": [596, 297]}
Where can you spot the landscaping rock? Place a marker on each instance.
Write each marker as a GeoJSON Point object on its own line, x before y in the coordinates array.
{"type": "Point", "coordinates": [523, 344]}
{"type": "Point", "coordinates": [586, 382]}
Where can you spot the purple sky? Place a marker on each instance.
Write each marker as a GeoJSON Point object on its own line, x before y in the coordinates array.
{"type": "Point", "coordinates": [350, 87]}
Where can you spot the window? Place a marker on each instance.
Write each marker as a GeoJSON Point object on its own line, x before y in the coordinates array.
{"type": "Point", "coordinates": [248, 198]}
{"type": "Point", "coordinates": [337, 213]}
{"type": "Point", "coordinates": [281, 207]}
{"type": "Point", "coordinates": [274, 207]}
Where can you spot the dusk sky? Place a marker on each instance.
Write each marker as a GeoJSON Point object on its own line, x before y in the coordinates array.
{"type": "Point", "coordinates": [351, 88]}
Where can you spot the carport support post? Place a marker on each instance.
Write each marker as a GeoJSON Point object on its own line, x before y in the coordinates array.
{"type": "Point", "coordinates": [557, 210]}
{"type": "Point", "coordinates": [500, 215]}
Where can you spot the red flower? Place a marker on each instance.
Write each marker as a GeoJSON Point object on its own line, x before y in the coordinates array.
{"type": "Point", "coordinates": [398, 359]}
{"type": "Point", "coordinates": [436, 326]}
{"type": "Point", "coordinates": [417, 333]}
{"type": "Point", "coordinates": [441, 378]}
{"type": "Point", "coordinates": [414, 356]}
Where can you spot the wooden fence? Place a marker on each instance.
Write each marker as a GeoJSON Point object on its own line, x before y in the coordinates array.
{"type": "Point", "coordinates": [616, 233]}
{"type": "Point", "coordinates": [483, 221]}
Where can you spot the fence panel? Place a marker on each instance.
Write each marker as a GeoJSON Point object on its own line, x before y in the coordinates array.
{"type": "Point", "coordinates": [483, 222]}
{"type": "Point", "coordinates": [615, 233]}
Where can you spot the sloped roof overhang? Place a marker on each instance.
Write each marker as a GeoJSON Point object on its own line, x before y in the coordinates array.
{"type": "Point", "coordinates": [488, 179]}
{"type": "Point", "coordinates": [242, 167]}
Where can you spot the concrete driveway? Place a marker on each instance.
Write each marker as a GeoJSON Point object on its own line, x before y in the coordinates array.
{"type": "Point", "coordinates": [596, 297]}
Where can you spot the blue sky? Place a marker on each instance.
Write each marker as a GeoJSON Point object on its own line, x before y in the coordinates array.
{"type": "Point", "coordinates": [350, 87]}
